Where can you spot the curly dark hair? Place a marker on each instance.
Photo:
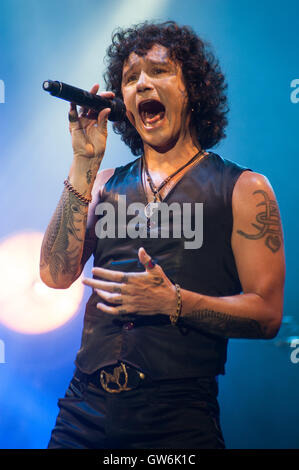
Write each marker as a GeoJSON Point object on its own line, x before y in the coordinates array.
{"type": "Point", "coordinates": [203, 78]}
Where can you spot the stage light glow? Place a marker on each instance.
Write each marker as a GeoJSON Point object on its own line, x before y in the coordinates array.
{"type": "Point", "coordinates": [27, 305]}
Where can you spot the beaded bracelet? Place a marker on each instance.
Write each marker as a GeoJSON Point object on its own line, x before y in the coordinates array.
{"type": "Point", "coordinates": [175, 316]}
{"type": "Point", "coordinates": [82, 198]}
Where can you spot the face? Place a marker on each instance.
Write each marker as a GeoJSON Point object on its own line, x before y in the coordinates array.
{"type": "Point", "coordinates": [156, 98]}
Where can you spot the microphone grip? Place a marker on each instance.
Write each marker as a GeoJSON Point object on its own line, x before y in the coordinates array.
{"type": "Point", "coordinates": [84, 98]}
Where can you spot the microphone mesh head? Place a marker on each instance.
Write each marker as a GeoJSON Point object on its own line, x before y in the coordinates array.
{"type": "Point", "coordinates": [46, 85]}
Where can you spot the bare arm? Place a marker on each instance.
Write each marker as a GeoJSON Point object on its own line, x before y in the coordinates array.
{"type": "Point", "coordinates": [62, 245]}
{"type": "Point", "coordinates": [257, 243]}
{"type": "Point", "coordinates": [67, 243]}
{"type": "Point", "coordinates": [69, 240]}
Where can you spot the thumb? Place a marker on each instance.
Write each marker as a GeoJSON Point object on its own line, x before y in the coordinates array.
{"type": "Point", "coordinates": [146, 259]}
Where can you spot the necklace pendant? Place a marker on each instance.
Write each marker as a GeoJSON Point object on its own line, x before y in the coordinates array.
{"type": "Point", "coordinates": [150, 209]}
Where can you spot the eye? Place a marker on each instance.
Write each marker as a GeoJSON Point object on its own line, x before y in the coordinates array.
{"type": "Point", "coordinates": [131, 77]}
{"type": "Point", "coordinates": [158, 70]}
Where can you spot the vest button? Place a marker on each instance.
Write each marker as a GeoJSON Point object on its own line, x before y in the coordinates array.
{"type": "Point", "coordinates": [128, 326]}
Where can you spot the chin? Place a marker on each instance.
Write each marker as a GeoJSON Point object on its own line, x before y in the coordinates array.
{"type": "Point", "coordinates": [161, 147]}
{"type": "Point", "coordinates": [160, 143]}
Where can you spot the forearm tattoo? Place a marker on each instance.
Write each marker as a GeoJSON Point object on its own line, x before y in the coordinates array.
{"type": "Point", "coordinates": [268, 224]}
{"type": "Point", "coordinates": [225, 325]}
{"type": "Point", "coordinates": [62, 245]}
{"type": "Point", "coordinates": [88, 176]}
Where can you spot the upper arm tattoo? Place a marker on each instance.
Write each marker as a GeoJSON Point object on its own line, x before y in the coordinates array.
{"type": "Point", "coordinates": [268, 224]}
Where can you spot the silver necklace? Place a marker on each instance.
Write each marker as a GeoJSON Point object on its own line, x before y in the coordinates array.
{"type": "Point", "coordinates": [151, 206]}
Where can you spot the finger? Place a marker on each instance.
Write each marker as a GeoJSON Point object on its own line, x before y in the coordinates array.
{"type": "Point", "coordinates": [92, 114]}
{"type": "Point", "coordinates": [107, 94]}
{"type": "Point", "coordinates": [116, 299]}
{"type": "Point", "coordinates": [104, 94]}
{"type": "Point", "coordinates": [110, 275]}
{"type": "Point", "coordinates": [97, 119]}
{"type": "Point", "coordinates": [94, 89]}
{"type": "Point", "coordinates": [146, 260]}
{"type": "Point", "coordinates": [103, 119]}
{"type": "Point", "coordinates": [83, 110]}
{"type": "Point", "coordinates": [107, 309]}
{"type": "Point", "coordinates": [73, 113]}
{"type": "Point", "coordinates": [91, 283]}
{"type": "Point", "coordinates": [74, 122]}
{"type": "Point", "coordinates": [114, 287]}
{"type": "Point", "coordinates": [114, 310]}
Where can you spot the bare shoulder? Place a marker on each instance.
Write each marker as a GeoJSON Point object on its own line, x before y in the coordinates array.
{"type": "Point", "coordinates": [251, 191]}
{"type": "Point", "coordinates": [248, 182]}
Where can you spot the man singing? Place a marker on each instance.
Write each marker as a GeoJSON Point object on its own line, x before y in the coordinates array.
{"type": "Point", "coordinates": [157, 323]}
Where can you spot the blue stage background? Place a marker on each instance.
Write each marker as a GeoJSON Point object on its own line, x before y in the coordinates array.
{"type": "Point", "coordinates": [256, 42]}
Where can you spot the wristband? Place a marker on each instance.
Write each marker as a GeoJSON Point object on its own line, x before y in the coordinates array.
{"type": "Point", "coordinates": [82, 198]}
{"type": "Point", "coordinates": [175, 316]}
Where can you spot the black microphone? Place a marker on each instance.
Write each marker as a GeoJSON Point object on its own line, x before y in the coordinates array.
{"type": "Point", "coordinates": [86, 99]}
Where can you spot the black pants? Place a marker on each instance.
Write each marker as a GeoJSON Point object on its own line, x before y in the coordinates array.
{"type": "Point", "coordinates": [157, 415]}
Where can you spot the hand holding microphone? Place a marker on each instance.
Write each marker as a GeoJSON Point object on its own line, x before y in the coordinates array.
{"type": "Point", "coordinates": [86, 99]}
{"type": "Point", "coordinates": [89, 127]}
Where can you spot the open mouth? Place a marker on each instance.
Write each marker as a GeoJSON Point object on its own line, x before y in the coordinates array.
{"type": "Point", "coordinates": [151, 112]}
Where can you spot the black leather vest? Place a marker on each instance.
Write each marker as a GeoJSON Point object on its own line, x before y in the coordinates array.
{"type": "Point", "coordinates": [151, 343]}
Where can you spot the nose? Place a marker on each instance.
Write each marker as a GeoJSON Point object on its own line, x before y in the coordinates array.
{"type": "Point", "coordinates": [143, 83]}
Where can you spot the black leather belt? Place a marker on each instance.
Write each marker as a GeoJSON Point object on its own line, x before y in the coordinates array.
{"type": "Point", "coordinates": [113, 379]}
